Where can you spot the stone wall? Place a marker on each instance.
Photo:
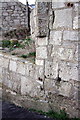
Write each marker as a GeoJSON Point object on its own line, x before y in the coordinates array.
{"type": "Point", "coordinates": [57, 54]}
{"type": "Point", "coordinates": [14, 16]}
{"type": "Point", "coordinates": [53, 81]}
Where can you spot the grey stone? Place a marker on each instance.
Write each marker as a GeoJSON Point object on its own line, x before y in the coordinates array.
{"type": "Point", "coordinates": [70, 35]}
{"type": "Point", "coordinates": [39, 73]}
{"type": "Point", "coordinates": [42, 18]}
{"type": "Point", "coordinates": [41, 52]}
{"type": "Point", "coordinates": [12, 14]}
{"type": "Point", "coordinates": [13, 66]}
{"type": "Point", "coordinates": [57, 4]}
{"type": "Point", "coordinates": [39, 62]}
{"type": "Point", "coordinates": [65, 89]}
{"type": "Point", "coordinates": [55, 37]}
{"type": "Point", "coordinates": [63, 22]}
{"type": "Point", "coordinates": [21, 68]}
{"type": "Point", "coordinates": [68, 71]}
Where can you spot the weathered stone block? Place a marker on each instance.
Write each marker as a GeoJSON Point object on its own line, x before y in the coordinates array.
{"type": "Point", "coordinates": [66, 54]}
{"type": "Point", "coordinates": [68, 71]}
{"type": "Point", "coordinates": [1, 61]}
{"type": "Point", "coordinates": [16, 86]}
{"type": "Point", "coordinates": [21, 68]}
{"type": "Point", "coordinates": [70, 35]}
{"type": "Point", "coordinates": [10, 84]}
{"type": "Point", "coordinates": [28, 87]}
{"type": "Point", "coordinates": [63, 22]}
{"type": "Point", "coordinates": [48, 69]}
{"type": "Point", "coordinates": [76, 23]}
{"type": "Point", "coordinates": [42, 41]}
{"type": "Point", "coordinates": [5, 76]}
{"type": "Point", "coordinates": [42, 18]}
{"type": "Point", "coordinates": [23, 85]}
{"type": "Point", "coordinates": [5, 63]}
{"type": "Point", "coordinates": [55, 68]}
{"type": "Point", "coordinates": [50, 86]}
{"type": "Point", "coordinates": [63, 53]}
{"type": "Point", "coordinates": [30, 70]}
{"type": "Point", "coordinates": [65, 89]}
{"type": "Point", "coordinates": [12, 66]}
{"type": "Point", "coordinates": [39, 62]}
{"type": "Point", "coordinates": [39, 73]}
{"type": "Point", "coordinates": [14, 81]}
{"type": "Point", "coordinates": [41, 52]}
{"type": "Point", "coordinates": [51, 69]}
{"type": "Point", "coordinates": [33, 23]}
{"type": "Point", "coordinates": [5, 14]}
{"type": "Point", "coordinates": [55, 37]}
{"type": "Point", "coordinates": [56, 4]}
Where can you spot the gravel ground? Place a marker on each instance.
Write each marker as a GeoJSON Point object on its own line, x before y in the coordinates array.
{"type": "Point", "coordinates": [13, 112]}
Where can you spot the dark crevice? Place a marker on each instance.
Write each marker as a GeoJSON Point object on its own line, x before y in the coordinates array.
{"type": "Point", "coordinates": [29, 18]}
{"type": "Point", "coordinates": [69, 4]}
{"type": "Point", "coordinates": [53, 17]}
{"type": "Point", "coordinates": [58, 78]}
{"type": "Point", "coordinates": [40, 79]}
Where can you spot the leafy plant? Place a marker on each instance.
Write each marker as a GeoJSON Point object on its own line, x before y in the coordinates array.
{"type": "Point", "coordinates": [14, 42]}
{"type": "Point", "coordinates": [28, 41]}
{"type": "Point", "coordinates": [21, 46]}
{"type": "Point", "coordinates": [32, 54]}
{"type": "Point", "coordinates": [6, 43]}
{"type": "Point", "coordinates": [24, 56]}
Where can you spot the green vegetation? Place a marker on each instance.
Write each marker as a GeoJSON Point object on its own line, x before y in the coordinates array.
{"type": "Point", "coordinates": [62, 115]}
{"type": "Point", "coordinates": [28, 41]}
{"type": "Point", "coordinates": [32, 54]}
{"type": "Point", "coordinates": [9, 44]}
{"type": "Point", "coordinates": [6, 43]}
{"type": "Point", "coordinates": [15, 43]}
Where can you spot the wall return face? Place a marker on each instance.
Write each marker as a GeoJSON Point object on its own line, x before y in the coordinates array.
{"type": "Point", "coordinates": [53, 81]}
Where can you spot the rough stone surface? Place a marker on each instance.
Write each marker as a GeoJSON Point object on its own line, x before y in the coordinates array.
{"type": "Point", "coordinates": [41, 52]}
{"type": "Point", "coordinates": [71, 35]}
{"type": "Point", "coordinates": [14, 15]}
{"type": "Point", "coordinates": [61, 22]}
{"type": "Point", "coordinates": [63, 53]}
{"type": "Point", "coordinates": [43, 41]}
{"type": "Point", "coordinates": [65, 89]}
{"type": "Point", "coordinates": [39, 62]}
{"type": "Point", "coordinates": [70, 71]}
{"type": "Point", "coordinates": [42, 18]}
{"type": "Point", "coordinates": [53, 81]}
{"type": "Point", "coordinates": [55, 37]}
{"type": "Point", "coordinates": [40, 73]}
{"type": "Point", "coordinates": [30, 70]}
{"type": "Point", "coordinates": [56, 5]}
{"type": "Point", "coordinates": [21, 68]}
{"type": "Point", "coordinates": [13, 66]}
